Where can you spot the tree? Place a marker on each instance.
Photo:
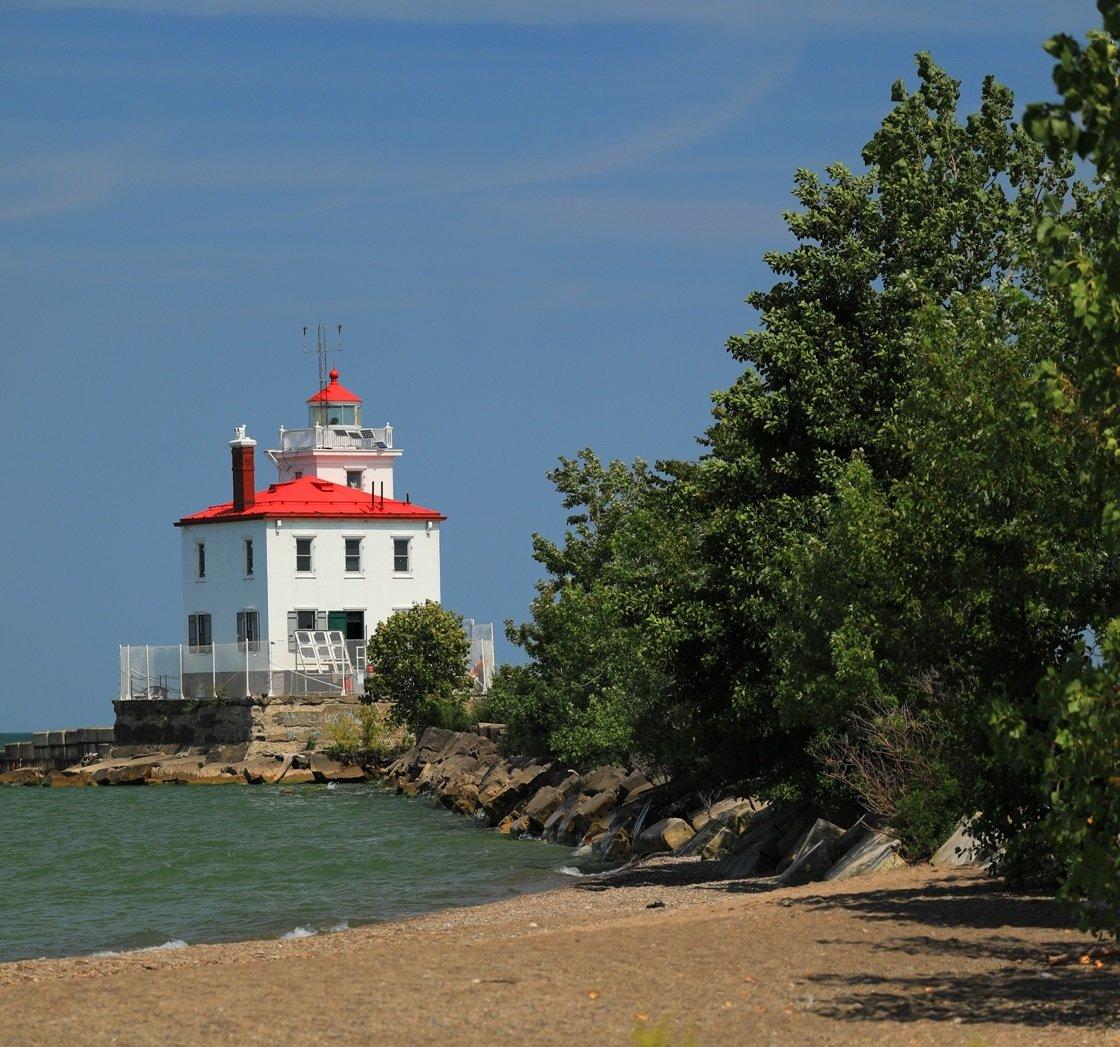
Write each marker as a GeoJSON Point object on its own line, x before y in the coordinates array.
{"type": "Point", "coordinates": [944, 208]}
{"type": "Point", "coordinates": [418, 661]}
{"type": "Point", "coordinates": [594, 641]}
{"type": "Point", "coordinates": [1068, 740]}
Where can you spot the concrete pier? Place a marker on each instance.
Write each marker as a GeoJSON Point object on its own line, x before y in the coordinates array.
{"type": "Point", "coordinates": [53, 750]}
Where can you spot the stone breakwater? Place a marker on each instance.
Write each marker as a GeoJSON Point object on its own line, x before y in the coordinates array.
{"type": "Point", "coordinates": [618, 814]}
{"type": "Point", "coordinates": [612, 813]}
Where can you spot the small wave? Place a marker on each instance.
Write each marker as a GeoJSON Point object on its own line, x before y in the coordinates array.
{"type": "Point", "coordinates": [342, 925]}
{"type": "Point", "coordinates": [174, 943]}
{"type": "Point", "coordinates": [332, 785]}
{"type": "Point", "coordinates": [297, 932]}
{"type": "Point", "coordinates": [569, 870]}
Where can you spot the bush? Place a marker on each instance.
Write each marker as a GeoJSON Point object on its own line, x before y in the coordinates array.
{"type": "Point", "coordinates": [363, 734]}
{"type": "Point", "coordinates": [418, 661]}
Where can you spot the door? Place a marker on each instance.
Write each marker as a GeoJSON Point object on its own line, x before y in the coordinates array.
{"type": "Point", "coordinates": [337, 620]}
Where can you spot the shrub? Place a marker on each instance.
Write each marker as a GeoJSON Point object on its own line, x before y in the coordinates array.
{"type": "Point", "coordinates": [363, 734]}
{"type": "Point", "coordinates": [418, 661]}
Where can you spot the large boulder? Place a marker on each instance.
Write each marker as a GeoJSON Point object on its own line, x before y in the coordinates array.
{"type": "Point", "coordinates": [264, 772]}
{"type": "Point", "coordinates": [601, 780]}
{"type": "Point", "coordinates": [298, 776]}
{"type": "Point", "coordinates": [871, 852]}
{"type": "Point", "coordinates": [816, 852]}
{"type": "Point", "coordinates": [960, 849]}
{"type": "Point", "coordinates": [177, 769]}
{"type": "Point", "coordinates": [586, 812]}
{"type": "Point", "coordinates": [507, 784]}
{"type": "Point", "coordinates": [22, 776]}
{"type": "Point", "coordinates": [722, 812]}
{"type": "Point", "coordinates": [665, 835]}
{"type": "Point", "coordinates": [540, 806]}
{"type": "Point", "coordinates": [767, 840]}
{"type": "Point", "coordinates": [327, 770]}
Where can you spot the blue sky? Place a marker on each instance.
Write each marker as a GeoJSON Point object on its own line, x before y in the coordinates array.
{"type": "Point", "coordinates": [536, 221]}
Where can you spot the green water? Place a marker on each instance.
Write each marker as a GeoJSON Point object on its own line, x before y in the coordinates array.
{"type": "Point", "coordinates": [89, 870]}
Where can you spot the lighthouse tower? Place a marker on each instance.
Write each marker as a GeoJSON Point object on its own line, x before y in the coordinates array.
{"type": "Point", "coordinates": [335, 446]}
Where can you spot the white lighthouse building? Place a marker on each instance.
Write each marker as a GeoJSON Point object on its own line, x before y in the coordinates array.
{"type": "Point", "coordinates": [327, 547]}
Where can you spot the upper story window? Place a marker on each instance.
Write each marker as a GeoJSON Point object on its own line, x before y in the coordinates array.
{"type": "Point", "coordinates": [303, 555]}
{"type": "Point", "coordinates": [354, 478]}
{"type": "Point", "coordinates": [200, 562]}
{"type": "Point", "coordinates": [198, 632]}
{"type": "Point", "coordinates": [248, 556]}
{"type": "Point", "coordinates": [353, 555]}
{"type": "Point", "coordinates": [402, 561]}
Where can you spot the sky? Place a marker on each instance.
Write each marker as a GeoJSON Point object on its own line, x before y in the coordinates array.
{"type": "Point", "coordinates": [536, 221]}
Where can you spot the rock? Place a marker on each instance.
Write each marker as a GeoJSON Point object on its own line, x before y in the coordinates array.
{"type": "Point", "coordinates": [871, 852]}
{"type": "Point", "coordinates": [601, 780]}
{"type": "Point", "coordinates": [638, 791]}
{"type": "Point", "coordinates": [514, 826]}
{"type": "Point", "coordinates": [22, 776]}
{"type": "Point", "coordinates": [583, 814]}
{"type": "Point", "coordinates": [720, 811]}
{"type": "Point", "coordinates": [507, 784]}
{"type": "Point", "coordinates": [264, 772]}
{"type": "Point", "coordinates": [611, 845]}
{"type": "Point", "coordinates": [717, 835]}
{"type": "Point", "coordinates": [960, 849]}
{"type": "Point", "coordinates": [816, 853]}
{"type": "Point", "coordinates": [757, 851]}
{"type": "Point", "coordinates": [298, 776]}
{"type": "Point", "coordinates": [177, 769]}
{"type": "Point", "coordinates": [544, 801]}
{"type": "Point", "coordinates": [327, 770]}
{"type": "Point", "coordinates": [665, 835]}
{"type": "Point", "coordinates": [216, 774]}
{"type": "Point", "coordinates": [124, 772]}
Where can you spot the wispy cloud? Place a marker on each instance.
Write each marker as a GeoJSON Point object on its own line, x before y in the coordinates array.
{"type": "Point", "coordinates": [49, 182]}
{"type": "Point", "coordinates": [31, 187]}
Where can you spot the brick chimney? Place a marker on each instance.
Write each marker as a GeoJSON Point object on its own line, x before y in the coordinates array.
{"type": "Point", "coordinates": [244, 491]}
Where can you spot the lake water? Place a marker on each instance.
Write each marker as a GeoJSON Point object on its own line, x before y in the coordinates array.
{"type": "Point", "coordinates": [109, 869]}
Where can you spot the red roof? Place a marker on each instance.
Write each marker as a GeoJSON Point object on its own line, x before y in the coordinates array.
{"type": "Point", "coordinates": [334, 394]}
{"type": "Point", "coordinates": [308, 498]}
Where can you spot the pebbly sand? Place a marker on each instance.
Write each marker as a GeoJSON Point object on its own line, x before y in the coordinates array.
{"type": "Point", "coordinates": [909, 956]}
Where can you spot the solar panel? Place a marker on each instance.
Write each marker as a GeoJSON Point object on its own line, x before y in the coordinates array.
{"type": "Point", "coordinates": [321, 651]}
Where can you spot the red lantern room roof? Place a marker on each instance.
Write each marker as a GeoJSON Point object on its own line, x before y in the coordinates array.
{"type": "Point", "coordinates": [309, 498]}
{"type": "Point", "coordinates": [334, 393]}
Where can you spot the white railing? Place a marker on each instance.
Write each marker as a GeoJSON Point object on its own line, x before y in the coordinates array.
{"type": "Point", "coordinates": [222, 670]}
{"type": "Point", "coordinates": [337, 438]}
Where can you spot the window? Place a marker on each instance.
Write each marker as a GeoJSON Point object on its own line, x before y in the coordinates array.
{"type": "Point", "coordinates": [303, 555]}
{"type": "Point", "coordinates": [200, 566]}
{"type": "Point", "coordinates": [353, 555]}
{"type": "Point", "coordinates": [248, 630]}
{"type": "Point", "coordinates": [248, 556]}
{"type": "Point", "coordinates": [305, 619]}
{"type": "Point", "coordinates": [198, 633]}
{"type": "Point", "coordinates": [401, 563]}
{"type": "Point", "coordinates": [354, 478]}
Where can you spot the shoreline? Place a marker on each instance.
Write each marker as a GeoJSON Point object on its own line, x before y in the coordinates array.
{"type": "Point", "coordinates": [933, 955]}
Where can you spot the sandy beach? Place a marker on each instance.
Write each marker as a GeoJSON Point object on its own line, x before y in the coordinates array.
{"type": "Point", "coordinates": [659, 954]}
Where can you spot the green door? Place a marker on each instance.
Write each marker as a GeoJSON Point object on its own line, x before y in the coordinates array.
{"type": "Point", "coordinates": [337, 620]}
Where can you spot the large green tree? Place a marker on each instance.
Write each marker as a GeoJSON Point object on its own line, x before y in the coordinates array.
{"type": "Point", "coordinates": [1070, 739]}
{"type": "Point", "coordinates": [945, 207]}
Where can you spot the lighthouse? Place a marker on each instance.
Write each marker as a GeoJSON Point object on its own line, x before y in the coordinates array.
{"type": "Point", "coordinates": [325, 548]}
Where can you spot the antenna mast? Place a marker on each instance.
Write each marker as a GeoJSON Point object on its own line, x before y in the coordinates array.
{"type": "Point", "coordinates": [321, 349]}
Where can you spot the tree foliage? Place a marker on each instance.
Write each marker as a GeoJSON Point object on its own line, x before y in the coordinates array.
{"type": "Point", "coordinates": [418, 661]}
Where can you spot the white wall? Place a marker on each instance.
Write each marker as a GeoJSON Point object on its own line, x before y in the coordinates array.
{"type": "Point", "coordinates": [225, 590]}
{"type": "Point", "coordinates": [377, 590]}
{"type": "Point", "coordinates": [276, 588]}
{"type": "Point", "coordinates": [333, 466]}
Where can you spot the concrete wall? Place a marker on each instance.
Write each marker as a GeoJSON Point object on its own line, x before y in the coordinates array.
{"type": "Point", "coordinates": [268, 725]}
{"type": "Point", "coordinates": [51, 750]}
